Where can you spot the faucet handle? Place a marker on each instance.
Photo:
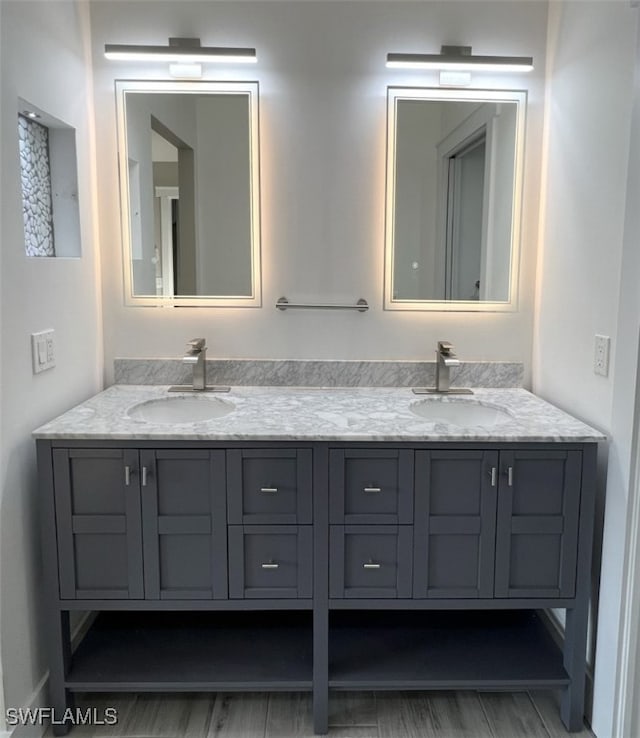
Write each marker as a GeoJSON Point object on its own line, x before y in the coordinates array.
{"type": "Point", "coordinates": [196, 343]}
{"type": "Point", "coordinates": [445, 348]}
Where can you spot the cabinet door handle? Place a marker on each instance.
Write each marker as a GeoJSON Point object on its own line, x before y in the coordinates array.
{"type": "Point", "coordinates": [494, 476]}
{"type": "Point", "coordinates": [127, 475]}
{"type": "Point", "coordinates": [372, 490]}
{"type": "Point", "coordinates": [269, 490]}
{"type": "Point", "coordinates": [144, 476]}
{"type": "Point", "coordinates": [371, 565]}
{"type": "Point", "coordinates": [510, 476]}
{"type": "Point", "coordinates": [270, 565]}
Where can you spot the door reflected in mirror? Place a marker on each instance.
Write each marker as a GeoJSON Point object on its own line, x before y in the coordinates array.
{"type": "Point", "coordinates": [190, 192]}
{"type": "Point", "coordinates": [454, 161]}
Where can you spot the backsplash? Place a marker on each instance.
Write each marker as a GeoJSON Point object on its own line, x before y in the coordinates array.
{"type": "Point", "coordinates": [313, 373]}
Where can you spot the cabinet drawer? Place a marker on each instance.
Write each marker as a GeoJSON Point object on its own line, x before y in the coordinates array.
{"type": "Point", "coordinates": [371, 487]}
{"type": "Point", "coordinates": [371, 561]}
{"type": "Point", "coordinates": [269, 486]}
{"type": "Point", "coordinates": [270, 561]}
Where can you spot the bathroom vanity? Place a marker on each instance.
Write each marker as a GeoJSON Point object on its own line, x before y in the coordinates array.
{"type": "Point", "coordinates": [310, 539]}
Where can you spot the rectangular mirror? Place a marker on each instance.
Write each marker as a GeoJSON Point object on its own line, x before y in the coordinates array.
{"type": "Point", "coordinates": [189, 188]}
{"type": "Point", "coordinates": [454, 171]}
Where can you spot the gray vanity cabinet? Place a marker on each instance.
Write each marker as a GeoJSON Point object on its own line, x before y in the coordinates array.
{"type": "Point", "coordinates": [270, 561]}
{"type": "Point", "coordinates": [537, 523]}
{"type": "Point", "coordinates": [99, 524]}
{"type": "Point", "coordinates": [370, 561]}
{"type": "Point", "coordinates": [184, 524]}
{"type": "Point", "coordinates": [140, 524]}
{"type": "Point", "coordinates": [496, 523]}
{"type": "Point", "coordinates": [270, 501]}
{"type": "Point", "coordinates": [317, 566]}
{"type": "Point", "coordinates": [455, 523]}
{"type": "Point", "coordinates": [371, 515]}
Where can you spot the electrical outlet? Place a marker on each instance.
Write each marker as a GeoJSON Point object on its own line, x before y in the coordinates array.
{"type": "Point", "coordinates": [601, 355]}
{"type": "Point", "coordinates": [43, 351]}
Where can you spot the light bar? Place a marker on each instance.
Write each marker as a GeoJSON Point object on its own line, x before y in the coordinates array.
{"type": "Point", "coordinates": [460, 59]}
{"type": "Point", "coordinates": [186, 50]}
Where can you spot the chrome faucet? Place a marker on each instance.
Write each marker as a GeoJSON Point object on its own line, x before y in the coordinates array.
{"type": "Point", "coordinates": [196, 355]}
{"type": "Point", "coordinates": [445, 359]}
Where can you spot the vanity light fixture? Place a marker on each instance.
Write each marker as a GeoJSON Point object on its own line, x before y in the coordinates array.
{"type": "Point", "coordinates": [460, 59]}
{"type": "Point", "coordinates": [31, 114]}
{"type": "Point", "coordinates": [186, 51]}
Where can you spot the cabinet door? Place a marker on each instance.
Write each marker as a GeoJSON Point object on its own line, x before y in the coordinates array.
{"type": "Point", "coordinates": [537, 528]}
{"type": "Point", "coordinates": [371, 486]}
{"type": "Point", "coordinates": [184, 524]}
{"type": "Point", "coordinates": [455, 509]}
{"type": "Point", "coordinates": [97, 499]}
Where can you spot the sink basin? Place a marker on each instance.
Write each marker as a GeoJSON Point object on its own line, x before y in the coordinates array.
{"type": "Point", "coordinates": [462, 413]}
{"type": "Point", "coordinates": [187, 409]}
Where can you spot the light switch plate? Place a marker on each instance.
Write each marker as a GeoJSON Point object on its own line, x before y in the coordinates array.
{"type": "Point", "coordinates": [43, 351]}
{"type": "Point", "coordinates": [601, 355]}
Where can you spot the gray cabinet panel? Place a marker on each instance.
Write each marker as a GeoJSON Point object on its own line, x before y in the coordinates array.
{"type": "Point", "coordinates": [268, 486]}
{"type": "Point", "coordinates": [537, 534]}
{"type": "Point", "coordinates": [184, 524]}
{"type": "Point", "coordinates": [455, 523]}
{"type": "Point", "coordinates": [270, 561]}
{"type": "Point", "coordinates": [370, 561]}
{"type": "Point", "coordinates": [98, 519]}
{"type": "Point", "coordinates": [369, 486]}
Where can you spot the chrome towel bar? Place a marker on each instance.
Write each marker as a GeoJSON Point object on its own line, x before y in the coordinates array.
{"type": "Point", "coordinates": [283, 304]}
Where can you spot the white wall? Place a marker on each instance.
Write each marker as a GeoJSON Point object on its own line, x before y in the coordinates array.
{"type": "Point", "coordinates": [37, 294]}
{"type": "Point", "coordinates": [591, 54]}
{"type": "Point", "coordinates": [321, 69]}
{"type": "Point", "coordinates": [617, 648]}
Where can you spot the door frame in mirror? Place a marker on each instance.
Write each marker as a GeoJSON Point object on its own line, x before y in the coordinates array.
{"type": "Point", "coordinates": [123, 87]}
{"type": "Point", "coordinates": [396, 93]}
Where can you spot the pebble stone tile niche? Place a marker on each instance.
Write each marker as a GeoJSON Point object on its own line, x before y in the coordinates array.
{"type": "Point", "coordinates": [35, 175]}
{"type": "Point", "coordinates": [49, 184]}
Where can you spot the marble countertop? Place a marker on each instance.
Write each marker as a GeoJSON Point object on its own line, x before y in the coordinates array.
{"type": "Point", "coordinates": [320, 414]}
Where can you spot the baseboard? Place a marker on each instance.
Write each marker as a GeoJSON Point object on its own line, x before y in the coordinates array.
{"type": "Point", "coordinates": [39, 698]}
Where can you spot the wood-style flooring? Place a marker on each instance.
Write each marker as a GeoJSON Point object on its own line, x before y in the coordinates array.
{"type": "Point", "coordinates": [351, 715]}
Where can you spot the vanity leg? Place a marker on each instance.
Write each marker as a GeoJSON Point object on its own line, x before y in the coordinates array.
{"type": "Point", "coordinates": [321, 672]}
{"type": "Point", "coordinates": [321, 591]}
{"type": "Point", "coordinates": [59, 647]}
{"type": "Point", "coordinates": [577, 618]}
{"type": "Point", "coordinates": [575, 647]}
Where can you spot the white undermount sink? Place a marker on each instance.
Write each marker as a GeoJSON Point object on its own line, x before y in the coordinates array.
{"type": "Point", "coordinates": [461, 413]}
{"type": "Point", "coordinates": [181, 409]}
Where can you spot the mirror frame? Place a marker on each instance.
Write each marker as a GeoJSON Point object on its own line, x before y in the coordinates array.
{"type": "Point", "coordinates": [188, 87]}
{"type": "Point", "coordinates": [394, 94]}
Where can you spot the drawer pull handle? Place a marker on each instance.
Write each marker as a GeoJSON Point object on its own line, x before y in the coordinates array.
{"type": "Point", "coordinates": [127, 475]}
{"type": "Point", "coordinates": [510, 476]}
{"type": "Point", "coordinates": [494, 476]}
{"type": "Point", "coordinates": [371, 565]}
{"type": "Point", "coordinates": [269, 490]}
{"type": "Point", "coordinates": [372, 490]}
{"type": "Point", "coordinates": [144, 476]}
{"type": "Point", "coordinates": [270, 565]}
